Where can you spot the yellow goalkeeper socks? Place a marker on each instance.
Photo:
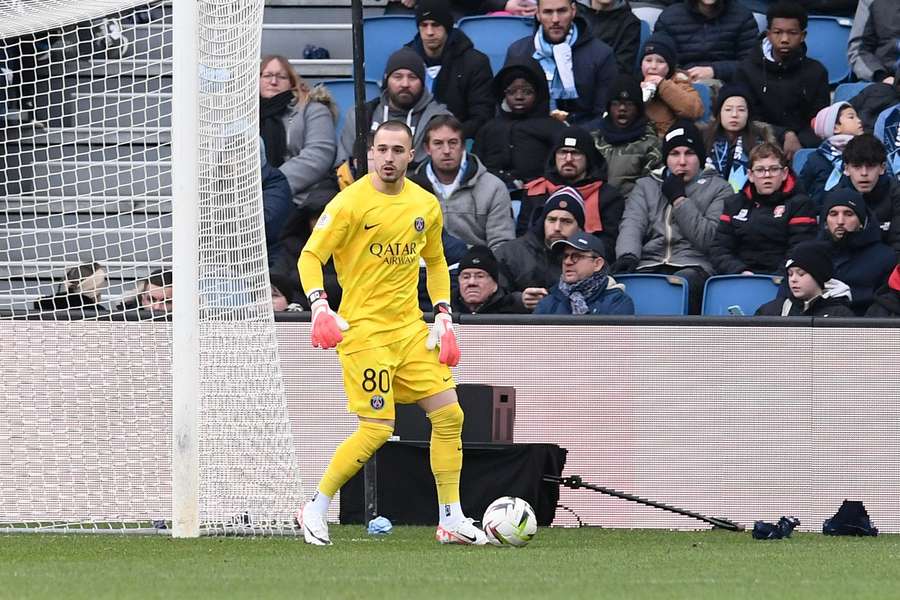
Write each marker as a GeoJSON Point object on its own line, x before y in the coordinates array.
{"type": "Point", "coordinates": [446, 452]}
{"type": "Point", "coordinates": [351, 455]}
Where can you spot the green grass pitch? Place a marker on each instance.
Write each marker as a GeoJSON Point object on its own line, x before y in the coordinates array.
{"type": "Point", "coordinates": [559, 563]}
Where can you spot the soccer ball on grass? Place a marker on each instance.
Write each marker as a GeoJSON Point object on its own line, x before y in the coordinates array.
{"type": "Point", "coordinates": [509, 521]}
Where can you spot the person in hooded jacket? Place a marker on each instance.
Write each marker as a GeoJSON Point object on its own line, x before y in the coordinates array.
{"type": "Point", "coordinates": [886, 302]}
{"type": "Point", "coordinates": [837, 125]}
{"type": "Point", "coordinates": [765, 219]}
{"type": "Point", "coordinates": [613, 23]}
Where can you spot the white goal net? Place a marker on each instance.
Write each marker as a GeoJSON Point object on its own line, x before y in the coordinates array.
{"type": "Point", "coordinates": [92, 218]}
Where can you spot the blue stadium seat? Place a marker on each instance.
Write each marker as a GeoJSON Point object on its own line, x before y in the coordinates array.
{"type": "Point", "coordinates": [383, 36]}
{"type": "Point", "coordinates": [846, 91]}
{"type": "Point", "coordinates": [647, 14]}
{"type": "Point", "coordinates": [706, 96]}
{"type": "Point", "coordinates": [493, 35]}
{"type": "Point", "coordinates": [826, 41]}
{"type": "Point", "coordinates": [646, 30]}
{"type": "Point", "coordinates": [656, 294]}
{"type": "Point", "coordinates": [800, 159]}
{"type": "Point", "coordinates": [747, 291]}
{"type": "Point", "coordinates": [342, 92]}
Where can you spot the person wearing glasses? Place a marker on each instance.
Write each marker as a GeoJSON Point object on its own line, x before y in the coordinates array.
{"type": "Point", "coordinates": [762, 222]}
{"type": "Point", "coordinates": [585, 286]}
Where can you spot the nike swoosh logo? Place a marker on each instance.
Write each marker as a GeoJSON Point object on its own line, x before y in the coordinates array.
{"type": "Point", "coordinates": [466, 537]}
{"type": "Point", "coordinates": [362, 462]}
{"type": "Point", "coordinates": [368, 227]}
{"type": "Point", "coordinates": [448, 378]}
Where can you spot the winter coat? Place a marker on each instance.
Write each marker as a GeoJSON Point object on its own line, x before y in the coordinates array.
{"type": "Point", "coordinates": [626, 163]}
{"type": "Point", "coordinates": [872, 100]}
{"type": "Point", "coordinates": [479, 211]}
{"type": "Point", "coordinates": [786, 95]}
{"type": "Point", "coordinates": [619, 29]}
{"type": "Point", "coordinates": [378, 111]}
{"type": "Point", "coordinates": [834, 302]}
{"type": "Point", "coordinates": [515, 147]}
{"type": "Point", "coordinates": [818, 170]}
{"type": "Point", "coordinates": [527, 262]}
{"type": "Point", "coordinates": [277, 206]}
{"type": "Point", "coordinates": [659, 234]}
{"type": "Point", "coordinates": [674, 99]}
{"type": "Point", "coordinates": [500, 303]}
{"type": "Point", "coordinates": [886, 302]}
{"type": "Point", "coordinates": [872, 46]}
{"type": "Point", "coordinates": [755, 232]}
{"type": "Point", "coordinates": [720, 42]}
{"type": "Point", "coordinates": [311, 144]}
{"type": "Point", "coordinates": [594, 69]}
{"type": "Point", "coordinates": [464, 81]}
{"type": "Point", "coordinates": [884, 203]}
{"type": "Point", "coordinates": [610, 299]}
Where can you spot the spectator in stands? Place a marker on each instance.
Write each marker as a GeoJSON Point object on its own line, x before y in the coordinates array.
{"type": "Point", "coordinates": [297, 125]}
{"type": "Point", "coordinates": [861, 259]}
{"type": "Point", "coordinates": [765, 219]}
{"type": "Point", "coordinates": [467, 8]}
{"type": "Point", "coordinates": [836, 125]}
{"type": "Point", "coordinates": [514, 145]}
{"type": "Point", "coordinates": [886, 302]}
{"type": "Point", "coordinates": [887, 129]}
{"type": "Point", "coordinates": [874, 99]}
{"type": "Point", "coordinates": [864, 171]}
{"type": "Point", "coordinates": [528, 262]}
{"type": "Point", "coordinates": [732, 134]}
{"type": "Point", "coordinates": [613, 23]}
{"type": "Point", "coordinates": [575, 162]}
{"type": "Point", "coordinates": [625, 137]}
{"type": "Point", "coordinates": [281, 300]}
{"type": "Point", "coordinates": [873, 48]}
{"type": "Point", "coordinates": [578, 67]}
{"type": "Point", "coordinates": [155, 293]}
{"type": "Point", "coordinates": [787, 87]}
{"type": "Point", "coordinates": [475, 203]}
{"type": "Point", "coordinates": [479, 292]}
{"type": "Point", "coordinates": [404, 97]}
{"type": "Point", "coordinates": [670, 218]}
{"type": "Point", "coordinates": [812, 291]}
{"type": "Point", "coordinates": [456, 73]}
{"type": "Point", "coordinates": [277, 203]}
{"type": "Point", "coordinates": [82, 289]}
{"type": "Point", "coordinates": [347, 171]}
{"type": "Point", "coordinates": [585, 286]}
{"type": "Point", "coordinates": [668, 93]}
{"type": "Point", "coordinates": [710, 36]}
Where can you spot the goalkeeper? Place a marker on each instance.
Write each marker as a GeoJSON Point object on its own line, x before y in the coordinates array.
{"type": "Point", "coordinates": [377, 230]}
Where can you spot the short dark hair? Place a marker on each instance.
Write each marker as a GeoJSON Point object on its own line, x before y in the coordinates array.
{"type": "Point", "coordinates": [865, 149]}
{"type": "Point", "coordinates": [394, 126]}
{"type": "Point", "coordinates": [767, 150]}
{"type": "Point", "coordinates": [443, 121]}
{"type": "Point", "coordinates": [787, 9]}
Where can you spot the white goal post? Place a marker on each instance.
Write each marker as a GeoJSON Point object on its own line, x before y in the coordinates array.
{"type": "Point", "coordinates": [143, 389]}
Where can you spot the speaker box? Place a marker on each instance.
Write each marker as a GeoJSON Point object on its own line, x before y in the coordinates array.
{"type": "Point", "coordinates": [490, 415]}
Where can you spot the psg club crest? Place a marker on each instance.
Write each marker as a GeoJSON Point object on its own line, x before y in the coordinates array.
{"type": "Point", "coordinates": [377, 402]}
{"type": "Point", "coordinates": [419, 224]}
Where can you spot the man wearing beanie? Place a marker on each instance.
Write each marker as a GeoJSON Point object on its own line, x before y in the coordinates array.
{"type": "Point", "coordinates": [861, 259]}
{"type": "Point", "coordinates": [457, 74]}
{"type": "Point", "coordinates": [710, 37]}
{"type": "Point", "coordinates": [527, 261]}
{"type": "Point", "coordinates": [404, 98]}
{"type": "Point", "coordinates": [668, 92]}
{"type": "Point", "coordinates": [671, 216]}
{"type": "Point", "coordinates": [887, 299]}
{"type": "Point", "coordinates": [578, 67]}
{"type": "Point", "coordinates": [479, 291]}
{"type": "Point", "coordinates": [813, 292]}
{"type": "Point", "coordinates": [575, 162]}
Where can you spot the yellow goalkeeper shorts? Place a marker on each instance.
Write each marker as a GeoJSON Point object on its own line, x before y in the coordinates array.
{"type": "Point", "coordinates": [403, 372]}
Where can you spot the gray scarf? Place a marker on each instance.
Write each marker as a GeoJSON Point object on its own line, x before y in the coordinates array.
{"type": "Point", "coordinates": [586, 288]}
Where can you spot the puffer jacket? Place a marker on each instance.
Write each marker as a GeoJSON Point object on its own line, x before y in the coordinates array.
{"type": "Point", "coordinates": [720, 42]}
{"type": "Point", "coordinates": [834, 302]}
{"type": "Point", "coordinates": [619, 29]}
{"type": "Point", "coordinates": [874, 99]}
{"type": "Point", "coordinates": [527, 262]}
{"type": "Point", "coordinates": [675, 98]}
{"type": "Point", "coordinates": [659, 234]}
{"type": "Point", "coordinates": [886, 302]}
{"type": "Point", "coordinates": [822, 172]}
{"type": "Point", "coordinates": [609, 299]}
{"type": "Point", "coordinates": [884, 202]}
{"type": "Point", "coordinates": [626, 163]}
{"type": "Point", "coordinates": [311, 143]}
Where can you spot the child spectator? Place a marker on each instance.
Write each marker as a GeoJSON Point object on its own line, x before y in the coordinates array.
{"type": "Point", "coordinates": [732, 134]}
{"type": "Point", "coordinates": [767, 217]}
{"type": "Point", "coordinates": [837, 125]}
{"type": "Point", "coordinates": [813, 293]}
{"type": "Point", "coordinates": [886, 302]}
{"type": "Point", "coordinates": [626, 139]}
{"type": "Point", "coordinates": [668, 93]}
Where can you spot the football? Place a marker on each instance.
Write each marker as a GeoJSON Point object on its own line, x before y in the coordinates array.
{"type": "Point", "coordinates": [509, 521]}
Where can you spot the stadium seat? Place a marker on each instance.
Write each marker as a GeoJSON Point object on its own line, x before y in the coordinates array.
{"type": "Point", "coordinates": [383, 36]}
{"type": "Point", "coordinates": [761, 22]}
{"type": "Point", "coordinates": [846, 91]}
{"type": "Point", "coordinates": [343, 94]}
{"type": "Point", "coordinates": [645, 35]}
{"type": "Point", "coordinates": [493, 35]}
{"type": "Point", "coordinates": [826, 41]}
{"type": "Point", "coordinates": [647, 14]}
{"type": "Point", "coordinates": [706, 97]}
{"type": "Point", "coordinates": [656, 294]}
{"type": "Point", "coordinates": [800, 159]}
{"type": "Point", "coordinates": [749, 292]}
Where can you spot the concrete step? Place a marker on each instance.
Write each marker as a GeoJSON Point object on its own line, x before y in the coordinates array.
{"type": "Point", "coordinates": [11, 221]}
{"type": "Point", "coordinates": [81, 245]}
{"type": "Point", "coordinates": [42, 205]}
{"type": "Point", "coordinates": [85, 178]}
{"type": "Point", "coordinates": [98, 152]}
{"type": "Point", "coordinates": [116, 111]}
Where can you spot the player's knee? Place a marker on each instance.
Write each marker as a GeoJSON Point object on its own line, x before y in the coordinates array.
{"type": "Point", "coordinates": [447, 418]}
{"type": "Point", "coordinates": [377, 433]}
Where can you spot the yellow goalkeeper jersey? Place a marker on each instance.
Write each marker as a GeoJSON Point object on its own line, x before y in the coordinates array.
{"type": "Point", "coordinates": [377, 241]}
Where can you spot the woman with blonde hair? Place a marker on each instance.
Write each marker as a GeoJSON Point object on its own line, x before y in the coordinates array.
{"type": "Point", "coordinates": [296, 124]}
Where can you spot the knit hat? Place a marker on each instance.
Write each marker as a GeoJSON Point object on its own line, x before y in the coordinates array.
{"type": "Point", "coordinates": [405, 58]}
{"type": "Point", "coordinates": [434, 10]}
{"type": "Point", "coordinates": [731, 90]}
{"type": "Point", "coordinates": [684, 133]}
{"type": "Point", "coordinates": [814, 258]}
{"type": "Point", "coordinates": [662, 44]}
{"type": "Point", "coordinates": [567, 199]}
{"type": "Point", "coordinates": [825, 120]}
{"type": "Point", "coordinates": [626, 87]}
{"type": "Point", "coordinates": [480, 257]}
{"type": "Point", "coordinates": [845, 197]}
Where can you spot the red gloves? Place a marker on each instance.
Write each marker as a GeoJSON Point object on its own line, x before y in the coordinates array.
{"type": "Point", "coordinates": [442, 335]}
{"type": "Point", "coordinates": [327, 325]}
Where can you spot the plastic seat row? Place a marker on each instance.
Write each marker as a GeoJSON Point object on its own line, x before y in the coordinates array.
{"type": "Point", "coordinates": [722, 294]}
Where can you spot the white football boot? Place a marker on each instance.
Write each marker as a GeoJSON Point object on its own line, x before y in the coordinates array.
{"type": "Point", "coordinates": [464, 533]}
{"type": "Point", "coordinates": [315, 529]}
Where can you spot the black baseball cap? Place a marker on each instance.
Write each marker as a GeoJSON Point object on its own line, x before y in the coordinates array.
{"type": "Point", "coordinates": [582, 241]}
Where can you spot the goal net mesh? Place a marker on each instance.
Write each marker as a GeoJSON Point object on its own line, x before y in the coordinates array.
{"type": "Point", "coordinates": [86, 194]}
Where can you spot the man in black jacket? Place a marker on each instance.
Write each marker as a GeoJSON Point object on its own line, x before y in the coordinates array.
{"type": "Point", "coordinates": [615, 25]}
{"type": "Point", "coordinates": [458, 75]}
{"type": "Point", "coordinates": [479, 292]}
{"type": "Point", "coordinates": [787, 87]}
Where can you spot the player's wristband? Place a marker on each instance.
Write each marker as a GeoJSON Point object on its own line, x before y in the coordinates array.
{"type": "Point", "coordinates": [316, 295]}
